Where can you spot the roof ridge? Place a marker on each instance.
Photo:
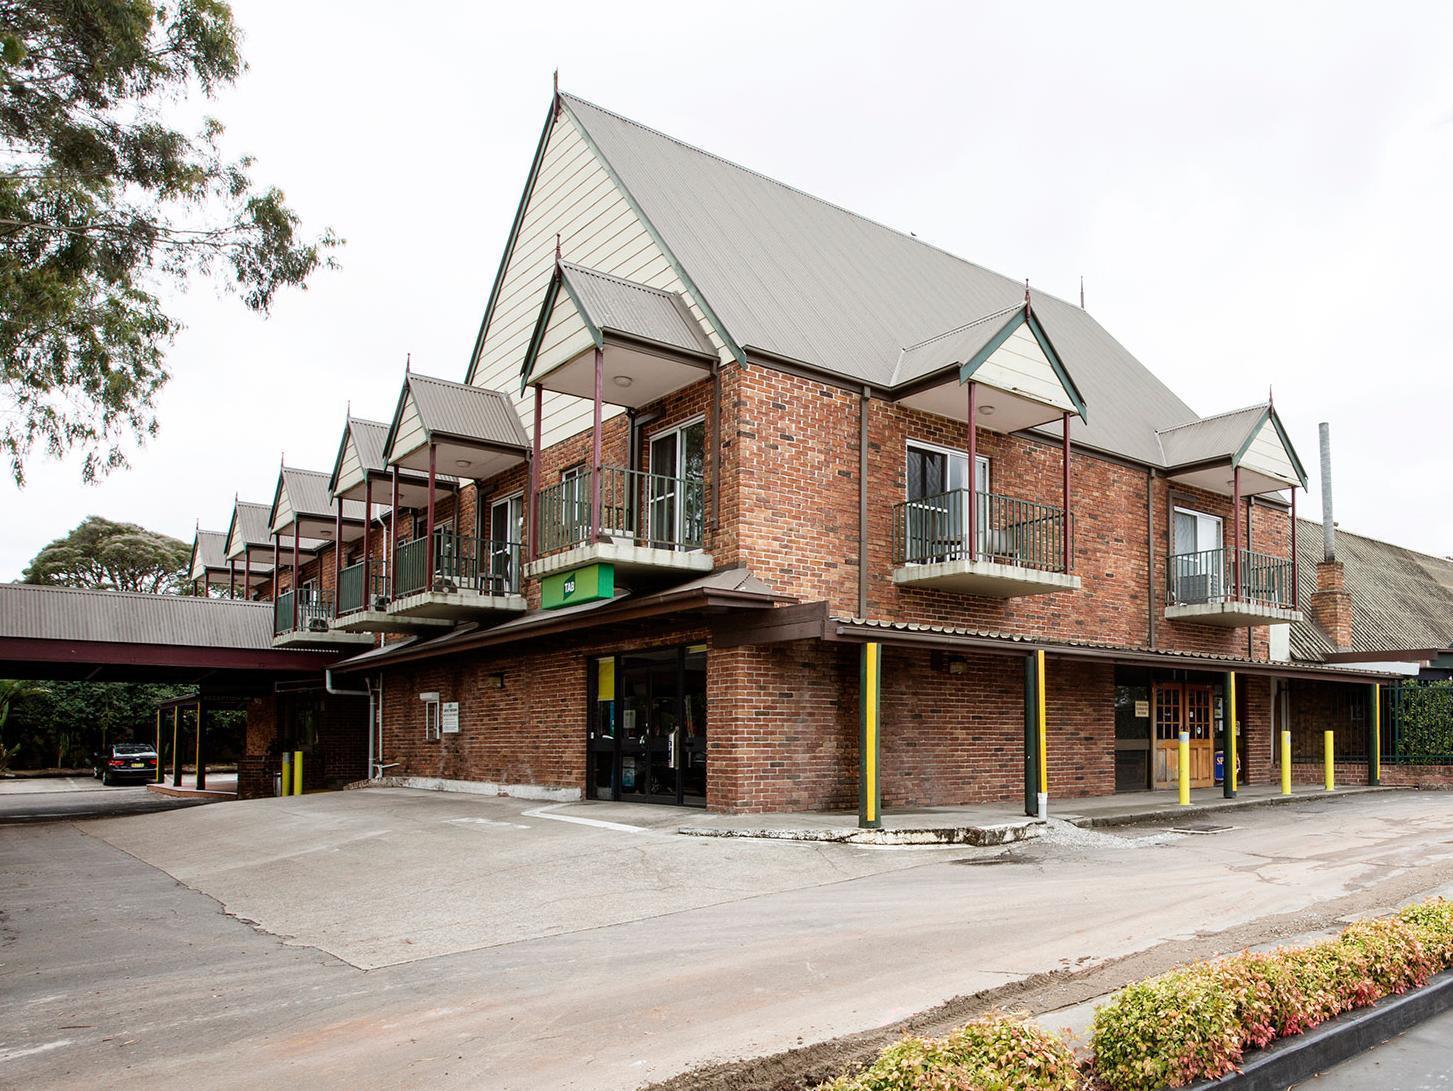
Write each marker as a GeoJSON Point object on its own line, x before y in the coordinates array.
{"type": "Point", "coordinates": [622, 281]}
{"type": "Point", "coordinates": [963, 326]}
{"type": "Point", "coordinates": [1214, 416]}
{"type": "Point", "coordinates": [1441, 559]}
{"type": "Point", "coordinates": [365, 420]}
{"type": "Point", "coordinates": [906, 235]}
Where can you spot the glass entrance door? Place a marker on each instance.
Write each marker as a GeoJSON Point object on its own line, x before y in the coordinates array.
{"type": "Point", "coordinates": [647, 740]}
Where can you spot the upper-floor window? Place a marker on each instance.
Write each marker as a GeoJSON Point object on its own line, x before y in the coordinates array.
{"type": "Point", "coordinates": [675, 493]}
{"type": "Point", "coordinates": [1197, 568]}
{"type": "Point", "coordinates": [506, 532]}
{"type": "Point", "coordinates": [937, 513]}
{"type": "Point", "coordinates": [1195, 532]}
{"type": "Point", "coordinates": [932, 471]}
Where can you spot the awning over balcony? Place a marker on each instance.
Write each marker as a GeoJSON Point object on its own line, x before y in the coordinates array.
{"type": "Point", "coordinates": [1022, 381]}
{"type": "Point", "coordinates": [249, 541]}
{"type": "Point", "coordinates": [209, 557]}
{"type": "Point", "coordinates": [651, 343]}
{"type": "Point", "coordinates": [361, 459]}
{"type": "Point", "coordinates": [475, 432]}
{"type": "Point", "coordinates": [1206, 453]}
{"type": "Point", "coordinates": [302, 501]}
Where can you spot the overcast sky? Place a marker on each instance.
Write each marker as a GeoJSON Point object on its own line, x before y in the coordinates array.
{"type": "Point", "coordinates": [1257, 198]}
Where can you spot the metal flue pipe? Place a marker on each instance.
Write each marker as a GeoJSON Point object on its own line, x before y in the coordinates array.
{"type": "Point", "coordinates": [1329, 533]}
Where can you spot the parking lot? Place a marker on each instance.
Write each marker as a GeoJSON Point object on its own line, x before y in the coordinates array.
{"type": "Point", "coordinates": [428, 938]}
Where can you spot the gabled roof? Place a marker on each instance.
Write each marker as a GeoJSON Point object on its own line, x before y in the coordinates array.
{"type": "Point", "coordinates": [610, 303]}
{"type": "Point", "coordinates": [368, 438]}
{"type": "Point", "coordinates": [459, 411]}
{"type": "Point", "coordinates": [250, 522]}
{"type": "Point", "coordinates": [307, 492]}
{"type": "Point", "coordinates": [209, 551]}
{"type": "Point", "coordinates": [793, 276]}
{"type": "Point", "coordinates": [1225, 436]}
{"type": "Point", "coordinates": [1401, 599]}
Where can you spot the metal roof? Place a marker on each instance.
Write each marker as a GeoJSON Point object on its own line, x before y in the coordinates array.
{"type": "Point", "coordinates": [1219, 436]}
{"type": "Point", "coordinates": [950, 347]}
{"type": "Point", "coordinates": [127, 617]}
{"type": "Point", "coordinates": [252, 522]}
{"type": "Point", "coordinates": [609, 303]}
{"type": "Point", "coordinates": [368, 437]}
{"type": "Point", "coordinates": [1401, 599]}
{"type": "Point", "coordinates": [468, 412]}
{"type": "Point", "coordinates": [210, 548]}
{"type": "Point", "coordinates": [795, 276]}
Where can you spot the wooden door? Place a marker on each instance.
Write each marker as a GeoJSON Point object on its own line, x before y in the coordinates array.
{"type": "Point", "coordinates": [1181, 706]}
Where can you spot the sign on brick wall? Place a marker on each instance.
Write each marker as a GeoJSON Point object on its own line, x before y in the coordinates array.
{"type": "Point", "coordinates": [588, 584]}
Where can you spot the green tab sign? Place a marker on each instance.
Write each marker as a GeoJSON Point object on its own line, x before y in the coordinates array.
{"type": "Point", "coordinates": [588, 584]}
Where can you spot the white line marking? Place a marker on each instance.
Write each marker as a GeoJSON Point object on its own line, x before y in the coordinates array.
{"type": "Point", "coordinates": [16, 1054]}
{"type": "Point", "coordinates": [543, 812]}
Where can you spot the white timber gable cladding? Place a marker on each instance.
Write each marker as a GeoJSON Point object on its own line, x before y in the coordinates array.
{"type": "Point", "coordinates": [410, 435]}
{"type": "Point", "coordinates": [1267, 454]}
{"type": "Point", "coordinates": [575, 197]}
{"type": "Point", "coordinates": [350, 469]}
{"type": "Point", "coordinates": [1020, 366]}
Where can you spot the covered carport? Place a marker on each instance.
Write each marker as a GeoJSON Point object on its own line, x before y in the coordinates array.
{"type": "Point", "coordinates": [222, 648]}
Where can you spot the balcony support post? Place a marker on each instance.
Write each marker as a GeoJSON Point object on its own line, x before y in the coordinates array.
{"type": "Point", "coordinates": [232, 578]}
{"type": "Point", "coordinates": [595, 525]}
{"type": "Point", "coordinates": [429, 547]}
{"type": "Point", "coordinates": [532, 509]}
{"type": "Point", "coordinates": [1296, 603]}
{"type": "Point", "coordinates": [367, 537]}
{"type": "Point", "coordinates": [246, 574]}
{"type": "Point", "coordinates": [337, 545]}
{"type": "Point", "coordinates": [393, 533]}
{"type": "Point", "coordinates": [295, 574]}
{"type": "Point", "coordinates": [1236, 533]}
{"type": "Point", "coordinates": [973, 442]}
{"type": "Point", "coordinates": [1065, 529]}
{"type": "Point", "coordinates": [276, 565]}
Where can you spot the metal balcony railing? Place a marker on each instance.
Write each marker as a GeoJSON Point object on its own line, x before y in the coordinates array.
{"type": "Point", "coordinates": [1021, 533]}
{"type": "Point", "coordinates": [644, 509]}
{"type": "Point", "coordinates": [315, 610]}
{"type": "Point", "coordinates": [461, 563]}
{"type": "Point", "coordinates": [1194, 579]}
{"type": "Point", "coordinates": [351, 595]}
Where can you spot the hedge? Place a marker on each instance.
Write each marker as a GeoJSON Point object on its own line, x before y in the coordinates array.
{"type": "Point", "coordinates": [1196, 1022]}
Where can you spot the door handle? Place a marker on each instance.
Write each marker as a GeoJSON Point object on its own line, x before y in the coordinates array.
{"type": "Point", "coordinates": [671, 750]}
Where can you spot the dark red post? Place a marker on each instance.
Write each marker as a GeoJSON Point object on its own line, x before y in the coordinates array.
{"type": "Point", "coordinates": [533, 515]}
{"type": "Point", "coordinates": [429, 548]}
{"type": "Point", "coordinates": [1068, 542]}
{"type": "Point", "coordinates": [595, 531]}
{"type": "Point", "coordinates": [246, 572]}
{"type": "Point", "coordinates": [294, 585]}
{"type": "Point", "coordinates": [393, 533]}
{"type": "Point", "coordinates": [276, 565]}
{"type": "Point", "coordinates": [232, 577]}
{"type": "Point", "coordinates": [1295, 605]}
{"type": "Point", "coordinates": [337, 547]}
{"type": "Point", "coordinates": [973, 470]}
{"type": "Point", "coordinates": [367, 539]}
{"type": "Point", "coordinates": [1236, 532]}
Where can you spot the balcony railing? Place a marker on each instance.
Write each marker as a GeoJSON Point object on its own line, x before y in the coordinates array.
{"type": "Point", "coordinates": [1195, 579]}
{"type": "Point", "coordinates": [644, 509]}
{"type": "Point", "coordinates": [315, 608]}
{"type": "Point", "coordinates": [351, 596]}
{"type": "Point", "coordinates": [1021, 533]}
{"type": "Point", "coordinates": [461, 563]}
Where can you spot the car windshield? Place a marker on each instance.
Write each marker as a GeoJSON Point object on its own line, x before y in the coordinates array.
{"type": "Point", "coordinates": [132, 748]}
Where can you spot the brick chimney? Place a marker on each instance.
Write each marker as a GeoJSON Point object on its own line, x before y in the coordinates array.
{"type": "Point", "coordinates": [1330, 605]}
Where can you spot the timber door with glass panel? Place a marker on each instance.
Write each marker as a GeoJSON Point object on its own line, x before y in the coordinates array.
{"type": "Point", "coordinates": [1188, 707]}
{"type": "Point", "coordinates": [647, 734]}
{"type": "Point", "coordinates": [937, 523]}
{"type": "Point", "coordinates": [1198, 568]}
{"type": "Point", "coordinates": [675, 497]}
{"type": "Point", "coordinates": [506, 532]}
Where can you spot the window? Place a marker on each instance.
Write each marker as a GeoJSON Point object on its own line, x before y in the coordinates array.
{"type": "Point", "coordinates": [1196, 532]}
{"type": "Point", "coordinates": [933, 471]}
{"type": "Point", "coordinates": [675, 493]}
{"type": "Point", "coordinates": [937, 524]}
{"type": "Point", "coordinates": [1197, 567]}
{"type": "Point", "coordinates": [431, 718]}
{"type": "Point", "coordinates": [506, 532]}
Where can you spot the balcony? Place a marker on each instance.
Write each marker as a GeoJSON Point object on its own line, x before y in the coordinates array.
{"type": "Point", "coordinates": [360, 612]}
{"type": "Point", "coordinates": [472, 578]}
{"type": "Point", "coordinates": [1008, 548]}
{"type": "Point", "coordinates": [1204, 588]}
{"type": "Point", "coordinates": [308, 626]}
{"type": "Point", "coordinates": [651, 524]}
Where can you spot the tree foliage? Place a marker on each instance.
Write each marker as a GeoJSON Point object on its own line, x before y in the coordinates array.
{"type": "Point", "coordinates": [102, 202]}
{"type": "Point", "coordinates": [109, 556]}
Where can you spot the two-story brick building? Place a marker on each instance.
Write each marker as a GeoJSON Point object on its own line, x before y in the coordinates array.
{"type": "Point", "coordinates": [750, 502]}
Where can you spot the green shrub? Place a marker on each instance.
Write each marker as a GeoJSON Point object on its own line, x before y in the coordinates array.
{"type": "Point", "coordinates": [1432, 922]}
{"type": "Point", "coordinates": [996, 1053]}
{"type": "Point", "coordinates": [1167, 1032]}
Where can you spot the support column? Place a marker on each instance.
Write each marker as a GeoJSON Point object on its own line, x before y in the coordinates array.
{"type": "Point", "coordinates": [1374, 734]}
{"type": "Point", "coordinates": [176, 746]}
{"type": "Point", "coordinates": [1229, 779]}
{"type": "Point", "coordinates": [294, 581]}
{"type": "Point", "coordinates": [160, 768]}
{"type": "Point", "coordinates": [246, 574]}
{"type": "Point", "coordinates": [1296, 603]}
{"type": "Point", "coordinates": [337, 546]}
{"type": "Point", "coordinates": [533, 515]}
{"type": "Point", "coordinates": [232, 578]}
{"type": "Point", "coordinates": [1036, 738]}
{"type": "Point", "coordinates": [276, 564]}
{"type": "Point", "coordinates": [1236, 533]}
{"type": "Point", "coordinates": [393, 533]}
{"type": "Point", "coordinates": [595, 525]}
{"type": "Point", "coordinates": [367, 541]}
{"type": "Point", "coordinates": [973, 444]}
{"type": "Point", "coordinates": [870, 684]}
{"type": "Point", "coordinates": [429, 548]}
{"type": "Point", "coordinates": [201, 754]}
{"type": "Point", "coordinates": [1068, 538]}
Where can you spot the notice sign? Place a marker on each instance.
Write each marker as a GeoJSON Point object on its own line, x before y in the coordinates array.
{"type": "Point", "coordinates": [449, 718]}
{"type": "Point", "coordinates": [588, 584]}
{"type": "Point", "coordinates": [1142, 709]}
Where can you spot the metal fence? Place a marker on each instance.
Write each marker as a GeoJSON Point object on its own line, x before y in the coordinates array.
{"type": "Point", "coordinates": [314, 609]}
{"type": "Point", "coordinates": [1193, 579]}
{"type": "Point", "coordinates": [1418, 723]}
{"type": "Point", "coordinates": [934, 529]}
{"type": "Point", "coordinates": [461, 563]}
{"type": "Point", "coordinates": [351, 596]}
{"type": "Point", "coordinates": [645, 509]}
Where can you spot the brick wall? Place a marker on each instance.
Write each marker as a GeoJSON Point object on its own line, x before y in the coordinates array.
{"type": "Point", "coordinates": [255, 765]}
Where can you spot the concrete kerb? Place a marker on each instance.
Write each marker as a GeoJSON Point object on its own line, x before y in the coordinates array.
{"type": "Point", "coordinates": [1174, 814]}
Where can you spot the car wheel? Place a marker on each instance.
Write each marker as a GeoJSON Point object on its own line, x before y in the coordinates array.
{"type": "Point", "coordinates": [106, 779]}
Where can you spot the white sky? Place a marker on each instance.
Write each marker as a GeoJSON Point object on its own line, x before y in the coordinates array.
{"type": "Point", "coordinates": [1258, 198]}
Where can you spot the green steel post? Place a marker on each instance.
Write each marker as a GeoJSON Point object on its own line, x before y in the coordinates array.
{"type": "Point", "coordinates": [1031, 735]}
{"type": "Point", "coordinates": [1374, 734]}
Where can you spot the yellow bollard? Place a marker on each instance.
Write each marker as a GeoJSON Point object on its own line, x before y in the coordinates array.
{"type": "Point", "coordinates": [1286, 763]}
{"type": "Point", "coordinates": [297, 772]}
{"type": "Point", "coordinates": [1185, 769]}
{"type": "Point", "coordinates": [1327, 761]}
{"type": "Point", "coordinates": [285, 785]}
